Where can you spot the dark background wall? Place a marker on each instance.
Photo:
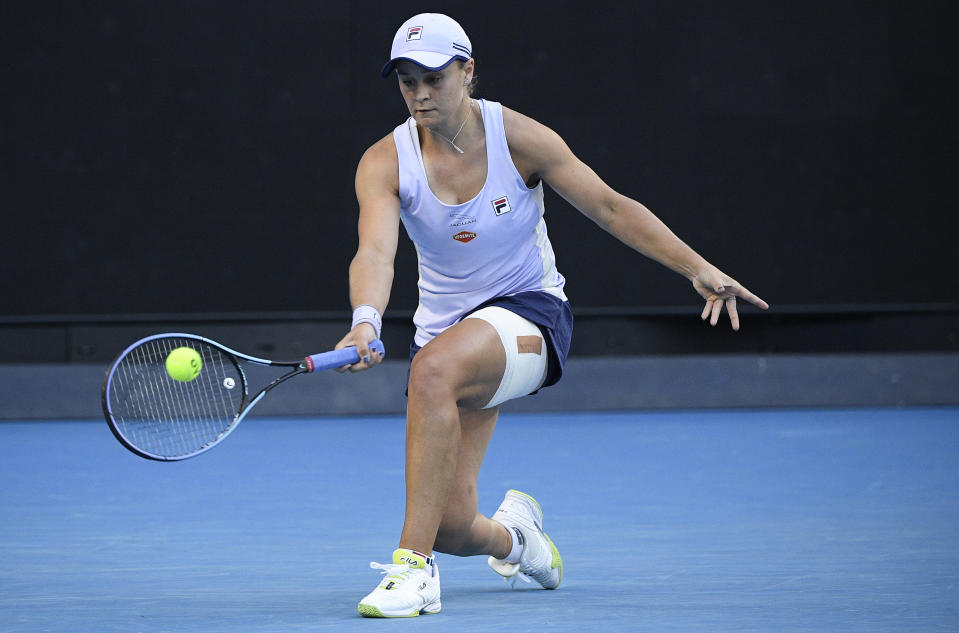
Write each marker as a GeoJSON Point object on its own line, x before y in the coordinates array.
{"type": "Point", "coordinates": [196, 158]}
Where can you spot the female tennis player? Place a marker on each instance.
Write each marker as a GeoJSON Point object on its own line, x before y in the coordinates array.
{"type": "Point", "coordinates": [465, 176]}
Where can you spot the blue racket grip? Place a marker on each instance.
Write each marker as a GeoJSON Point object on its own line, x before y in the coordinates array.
{"type": "Point", "coordinates": [339, 357]}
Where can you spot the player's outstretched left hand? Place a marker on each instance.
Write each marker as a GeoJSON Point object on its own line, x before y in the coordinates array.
{"type": "Point", "coordinates": [719, 289]}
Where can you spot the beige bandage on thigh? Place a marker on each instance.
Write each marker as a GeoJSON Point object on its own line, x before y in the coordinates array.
{"type": "Point", "coordinates": [526, 357]}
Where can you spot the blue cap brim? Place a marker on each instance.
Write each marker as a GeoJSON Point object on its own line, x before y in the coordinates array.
{"type": "Point", "coordinates": [390, 65]}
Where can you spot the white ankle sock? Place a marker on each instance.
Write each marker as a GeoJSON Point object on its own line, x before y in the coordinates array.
{"type": "Point", "coordinates": [516, 551]}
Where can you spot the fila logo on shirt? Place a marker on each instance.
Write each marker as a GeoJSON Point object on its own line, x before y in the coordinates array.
{"type": "Point", "coordinates": [414, 33]}
{"type": "Point", "coordinates": [501, 206]}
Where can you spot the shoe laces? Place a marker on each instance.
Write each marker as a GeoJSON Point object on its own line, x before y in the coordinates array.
{"type": "Point", "coordinates": [517, 576]}
{"type": "Point", "coordinates": [503, 568]}
{"type": "Point", "coordinates": [392, 570]}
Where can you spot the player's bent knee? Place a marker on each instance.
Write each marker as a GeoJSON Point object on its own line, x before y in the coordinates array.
{"type": "Point", "coordinates": [452, 536]}
{"type": "Point", "coordinates": [459, 541]}
{"type": "Point", "coordinates": [526, 357]}
{"type": "Point", "coordinates": [428, 374]}
{"type": "Point", "coordinates": [448, 542]}
{"type": "Point", "coordinates": [455, 531]}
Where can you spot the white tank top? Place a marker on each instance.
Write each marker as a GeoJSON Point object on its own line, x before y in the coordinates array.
{"type": "Point", "coordinates": [495, 245]}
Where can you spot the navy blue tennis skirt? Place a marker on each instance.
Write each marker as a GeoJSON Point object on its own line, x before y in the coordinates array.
{"type": "Point", "coordinates": [551, 314]}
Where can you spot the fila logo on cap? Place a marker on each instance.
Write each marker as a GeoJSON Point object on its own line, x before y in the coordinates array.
{"type": "Point", "coordinates": [501, 205]}
{"type": "Point", "coordinates": [414, 33]}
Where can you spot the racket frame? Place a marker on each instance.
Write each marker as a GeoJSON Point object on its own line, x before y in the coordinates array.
{"type": "Point", "coordinates": [246, 403]}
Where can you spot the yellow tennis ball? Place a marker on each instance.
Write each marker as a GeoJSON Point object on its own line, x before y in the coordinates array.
{"type": "Point", "coordinates": [184, 364]}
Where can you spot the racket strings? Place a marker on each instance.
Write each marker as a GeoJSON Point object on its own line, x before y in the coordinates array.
{"type": "Point", "coordinates": [168, 418]}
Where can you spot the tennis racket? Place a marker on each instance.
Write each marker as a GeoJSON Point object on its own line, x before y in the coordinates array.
{"type": "Point", "coordinates": [158, 417]}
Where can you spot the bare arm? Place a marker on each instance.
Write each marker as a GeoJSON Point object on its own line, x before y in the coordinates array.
{"type": "Point", "coordinates": [540, 153]}
{"type": "Point", "coordinates": [371, 271]}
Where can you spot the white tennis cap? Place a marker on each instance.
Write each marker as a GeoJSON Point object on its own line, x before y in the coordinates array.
{"type": "Point", "coordinates": [432, 40]}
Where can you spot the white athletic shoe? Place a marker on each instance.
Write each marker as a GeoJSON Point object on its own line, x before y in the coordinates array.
{"type": "Point", "coordinates": [540, 559]}
{"type": "Point", "coordinates": [411, 586]}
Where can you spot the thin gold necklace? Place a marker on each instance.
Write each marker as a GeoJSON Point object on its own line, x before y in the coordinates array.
{"type": "Point", "coordinates": [452, 141]}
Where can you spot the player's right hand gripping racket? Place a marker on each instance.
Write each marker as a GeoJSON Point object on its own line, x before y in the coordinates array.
{"type": "Point", "coordinates": [160, 417]}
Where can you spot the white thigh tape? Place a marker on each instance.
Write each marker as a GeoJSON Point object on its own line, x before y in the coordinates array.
{"type": "Point", "coordinates": [526, 357]}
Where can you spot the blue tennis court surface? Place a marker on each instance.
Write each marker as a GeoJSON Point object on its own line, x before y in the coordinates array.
{"type": "Point", "coordinates": [752, 520]}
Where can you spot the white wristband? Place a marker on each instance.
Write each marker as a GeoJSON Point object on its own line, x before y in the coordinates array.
{"type": "Point", "coordinates": [368, 314]}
